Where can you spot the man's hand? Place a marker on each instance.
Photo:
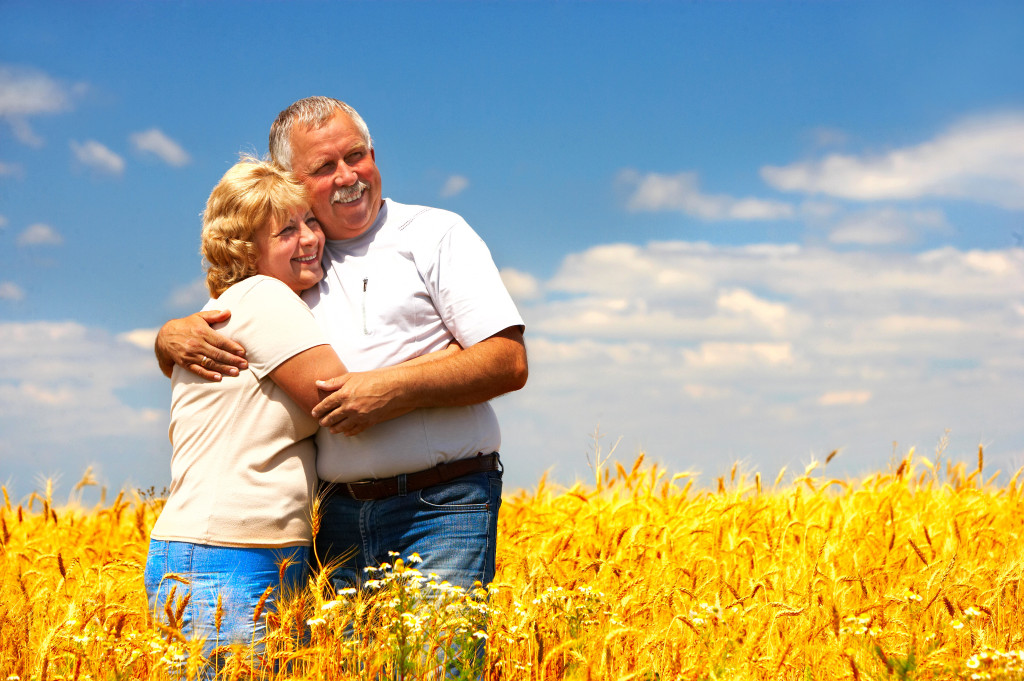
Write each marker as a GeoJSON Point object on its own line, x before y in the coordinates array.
{"type": "Point", "coordinates": [358, 400]}
{"type": "Point", "coordinates": [193, 345]}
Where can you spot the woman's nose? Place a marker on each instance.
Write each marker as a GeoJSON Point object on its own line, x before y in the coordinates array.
{"type": "Point", "coordinates": [308, 235]}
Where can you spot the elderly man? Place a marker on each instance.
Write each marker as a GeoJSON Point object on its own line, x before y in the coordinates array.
{"type": "Point", "coordinates": [411, 451]}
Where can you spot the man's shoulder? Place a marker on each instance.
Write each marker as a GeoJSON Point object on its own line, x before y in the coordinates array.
{"type": "Point", "coordinates": [403, 216]}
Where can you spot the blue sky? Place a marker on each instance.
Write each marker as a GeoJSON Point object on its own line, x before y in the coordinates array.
{"type": "Point", "coordinates": [751, 232]}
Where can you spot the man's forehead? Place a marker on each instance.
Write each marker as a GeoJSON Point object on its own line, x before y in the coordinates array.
{"type": "Point", "coordinates": [322, 140]}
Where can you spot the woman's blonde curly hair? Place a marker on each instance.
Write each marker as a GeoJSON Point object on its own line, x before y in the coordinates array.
{"type": "Point", "coordinates": [251, 194]}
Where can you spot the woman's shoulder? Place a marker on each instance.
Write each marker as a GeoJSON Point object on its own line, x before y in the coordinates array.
{"type": "Point", "coordinates": [258, 285]}
{"type": "Point", "coordinates": [258, 298]}
{"type": "Point", "coordinates": [266, 315]}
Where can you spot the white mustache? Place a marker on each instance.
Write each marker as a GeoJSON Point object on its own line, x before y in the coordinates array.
{"type": "Point", "coordinates": [346, 194]}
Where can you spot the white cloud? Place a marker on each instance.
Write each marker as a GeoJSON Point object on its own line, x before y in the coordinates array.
{"type": "Point", "coordinates": [980, 159]}
{"type": "Point", "coordinates": [40, 234]}
{"type": "Point", "coordinates": [681, 192]}
{"type": "Point", "coordinates": [3, 221]}
{"type": "Point", "coordinates": [882, 226]}
{"type": "Point", "coordinates": [454, 185]}
{"type": "Point", "coordinates": [734, 356]}
{"type": "Point", "coordinates": [140, 338]}
{"type": "Point", "coordinates": [93, 154]}
{"type": "Point", "coordinates": [520, 285]}
{"type": "Point", "coordinates": [191, 296]}
{"type": "Point", "coordinates": [62, 405]}
{"type": "Point", "coordinates": [11, 291]}
{"type": "Point", "coordinates": [9, 169]}
{"type": "Point", "coordinates": [155, 142]}
{"type": "Point", "coordinates": [825, 136]}
{"type": "Point", "coordinates": [711, 354]}
{"type": "Point", "coordinates": [26, 92]}
{"type": "Point", "coordinates": [845, 397]}
{"type": "Point", "coordinates": [742, 302]}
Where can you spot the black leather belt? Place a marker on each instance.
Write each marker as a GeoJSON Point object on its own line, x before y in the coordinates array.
{"type": "Point", "coordinates": [381, 488]}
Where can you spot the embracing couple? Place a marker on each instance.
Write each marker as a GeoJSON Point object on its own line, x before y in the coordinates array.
{"type": "Point", "coordinates": [350, 346]}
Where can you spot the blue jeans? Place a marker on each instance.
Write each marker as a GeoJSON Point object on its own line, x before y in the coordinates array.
{"type": "Point", "coordinates": [453, 527]}
{"type": "Point", "coordinates": [240, 576]}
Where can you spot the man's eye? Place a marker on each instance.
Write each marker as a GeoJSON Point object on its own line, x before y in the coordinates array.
{"type": "Point", "coordinates": [325, 168]}
{"type": "Point", "coordinates": [355, 157]}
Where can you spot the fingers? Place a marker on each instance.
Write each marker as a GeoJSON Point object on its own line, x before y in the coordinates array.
{"type": "Point", "coordinates": [215, 360]}
{"type": "Point", "coordinates": [203, 372]}
{"type": "Point", "coordinates": [330, 418]}
{"type": "Point", "coordinates": [332, 399]}
{"type": "Point", "coordinates": [348, 427]}
{"type": "Point", "coordinates": [332, 384]}
{"type": "Point", "coordinates": [214, 316]}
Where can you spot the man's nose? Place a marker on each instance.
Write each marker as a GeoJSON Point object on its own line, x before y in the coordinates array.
{"type": "Point", "coordinates": [345, 176]}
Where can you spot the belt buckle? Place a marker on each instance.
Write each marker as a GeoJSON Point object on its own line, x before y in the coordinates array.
{"type": "Point", "coordinates": [351, 488]}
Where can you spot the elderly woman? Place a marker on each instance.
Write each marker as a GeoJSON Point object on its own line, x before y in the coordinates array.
{"type": "Point", "coordinates": [243, 469]}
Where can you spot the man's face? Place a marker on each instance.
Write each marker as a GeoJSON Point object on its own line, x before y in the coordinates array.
{"type": "Point", "coordinates": [340, 172]}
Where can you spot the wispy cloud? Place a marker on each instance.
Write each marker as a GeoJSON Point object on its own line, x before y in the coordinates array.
{"type": "Point", "coordinates": [879, 226]}
{"type": "Point", "coordinates": [42, 383]}
{"type": "Point", "coordinates": [26, 92]}
{"type": "Point", "coordinates": [40, 234]}
{"type": "Point", "coordinates": [681, 192]}
{"type": "Point", "coordinates": [191, 296]}
{"type": "Point", "coordinates": [455, 184]}
{"type": "Point", "coordinates": [154, 141]}
{"type": "Point", "coordinates": [520, 285]}
{"type": "Point", "coordinates": [845, 398]}
{"type": "Point", "coordinates": [140, 338]}
{"type": "Point", "coordinates": [95, 155]}
{"type": "Point", "coordinates": [11, 291]}
{"type": "Point", "coordinates": [674, 343]}
{"type": "Point", "coordinates": [979, 159]}
{"type": "Point", "coordinates": [824, 136]}
{"type": "Point", "coordinates": [10, 169]}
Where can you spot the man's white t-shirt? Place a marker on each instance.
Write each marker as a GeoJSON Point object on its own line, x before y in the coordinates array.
{"type": "Point", "coordinates": [416, 280]}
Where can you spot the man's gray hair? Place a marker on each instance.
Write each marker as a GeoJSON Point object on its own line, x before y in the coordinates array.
{"type": "Point", "coordinates": [314, 112]}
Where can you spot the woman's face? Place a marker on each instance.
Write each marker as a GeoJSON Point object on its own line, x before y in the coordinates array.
{"type": "Point", "coordinates": [291, 251]}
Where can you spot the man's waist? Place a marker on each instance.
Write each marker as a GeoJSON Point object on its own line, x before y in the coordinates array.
{"type": "Point", "coordinates": [382, 488]}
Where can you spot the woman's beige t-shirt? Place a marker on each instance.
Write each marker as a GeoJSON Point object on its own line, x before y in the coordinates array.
{"type": "Point", "coordinates": [243, 468]}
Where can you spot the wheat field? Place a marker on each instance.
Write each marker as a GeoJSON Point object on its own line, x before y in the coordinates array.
{"type": "Point", "coordinates": [911, 573]}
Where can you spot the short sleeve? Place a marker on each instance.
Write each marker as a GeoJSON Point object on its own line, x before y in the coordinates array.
{"type": "Point", "coordinates": [271, 322]}
{"type": "Point", "coordinates": [467, 288]}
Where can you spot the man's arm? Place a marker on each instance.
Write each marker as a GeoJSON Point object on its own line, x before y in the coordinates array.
{"type": "Point", "coordinates": [192, 344]}
{"type": "Point", "coordinates": [490, 368]}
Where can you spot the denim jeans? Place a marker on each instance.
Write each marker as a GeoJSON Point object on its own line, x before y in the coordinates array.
{"type": "Point", "coordinates": [240, 576]}
{"type": "Point", "coordinates": [452, 526]}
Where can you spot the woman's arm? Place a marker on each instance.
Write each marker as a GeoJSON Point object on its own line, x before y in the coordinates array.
{"type": "Point", "coordinates": [298, 374]}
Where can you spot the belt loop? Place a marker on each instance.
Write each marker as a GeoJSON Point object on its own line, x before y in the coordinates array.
{"type": "Point", "coordinates": [402, 491]}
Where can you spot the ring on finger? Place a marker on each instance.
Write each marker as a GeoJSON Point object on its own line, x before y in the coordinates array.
{"type": "Point", "coordinates": [203, 361]}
